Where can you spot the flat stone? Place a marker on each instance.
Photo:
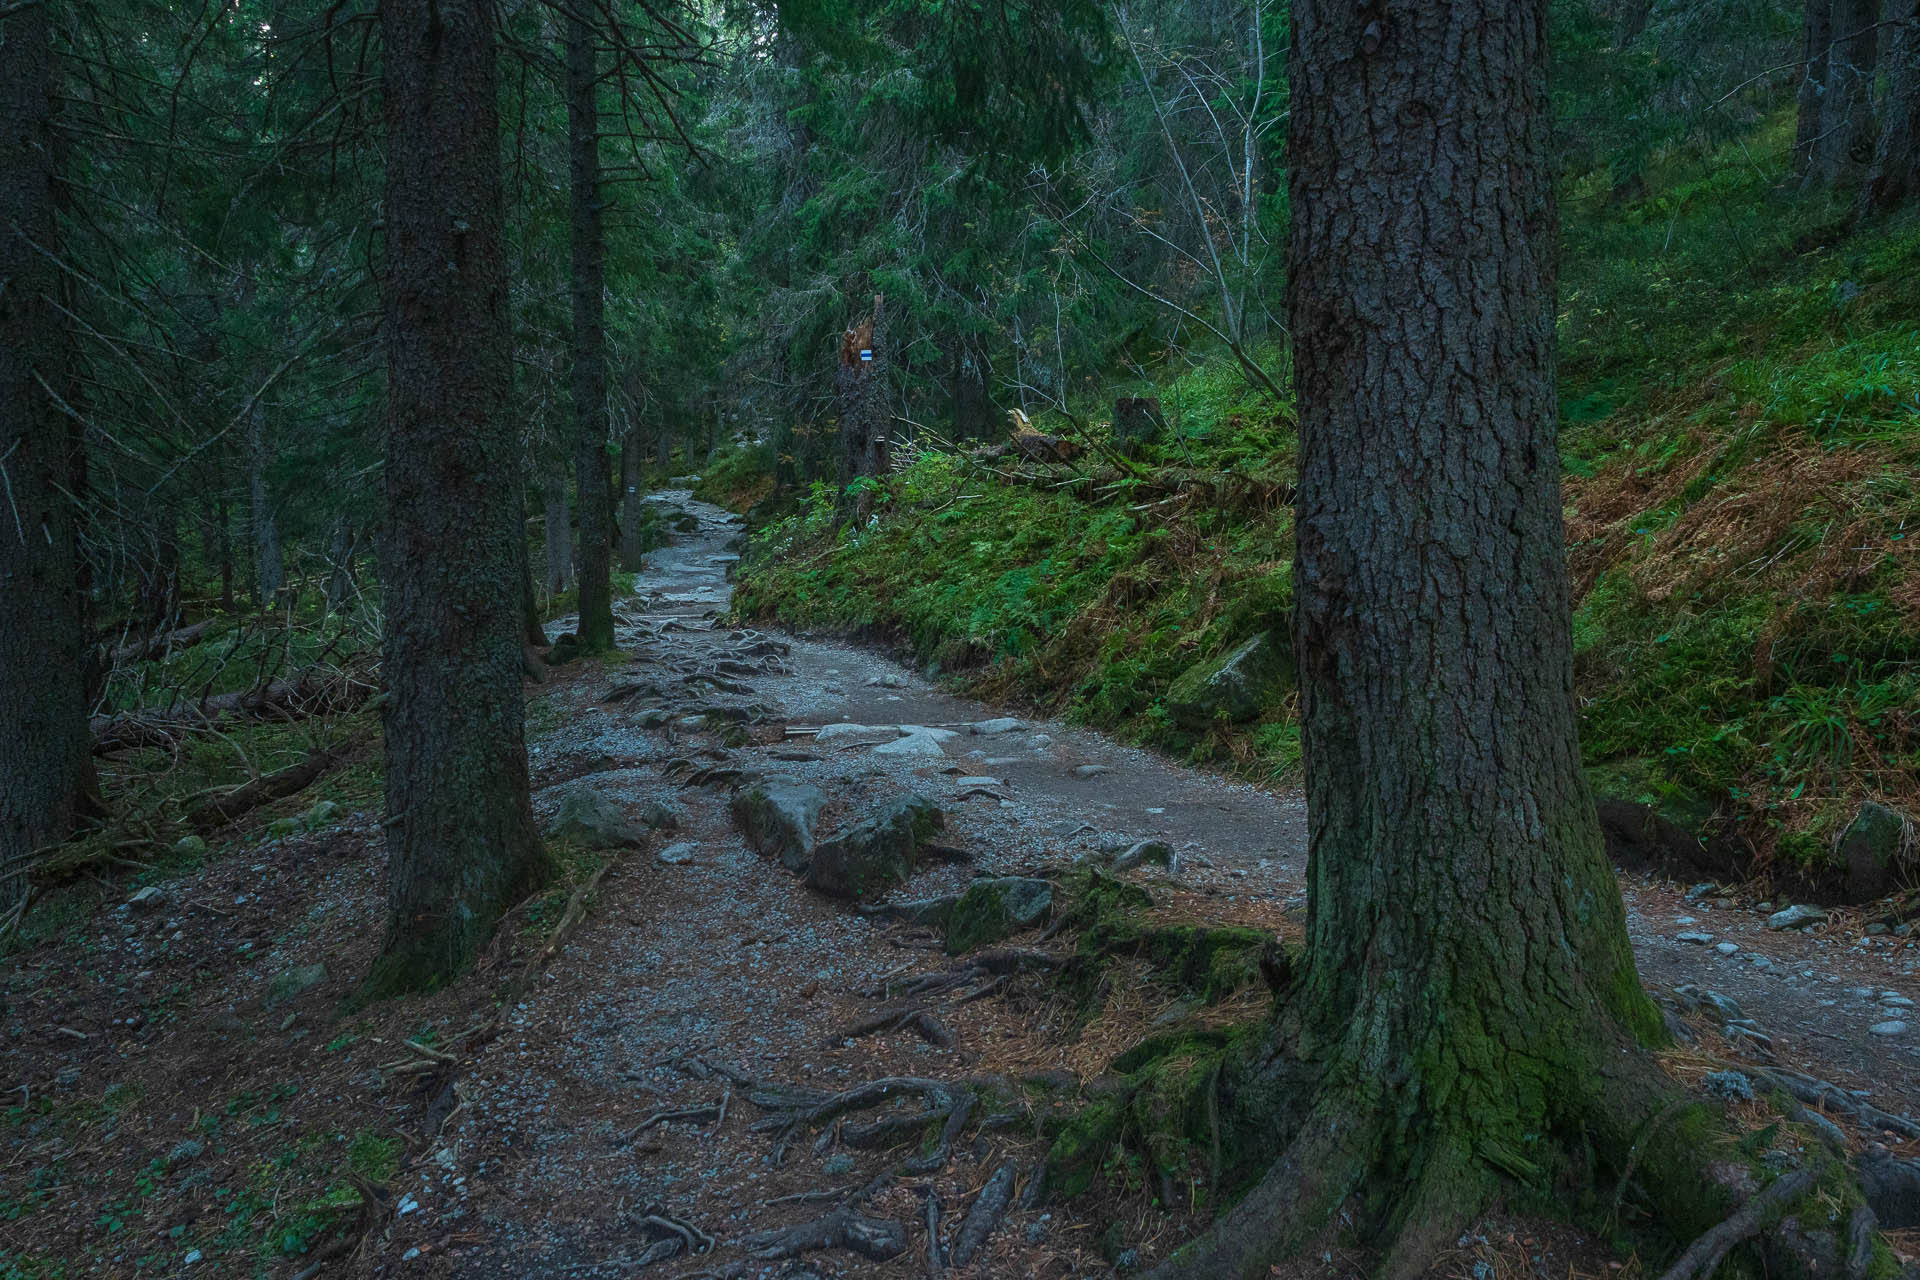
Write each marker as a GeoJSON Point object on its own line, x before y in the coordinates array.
{"type": "Point", "coordinates": [1896, 1002]}
{"type": "Point", "coordinates": [679, 853]}
{"type": "Point", "coordinates": [1039, 742]}
{"type": "Point", "coordinates": [886, 680]}
{"type": "Point", "coordinates": [1694, 936]}
{"type": "Point", "coordinates": [1795, 916]}
{"type": "Point", "coordinates": [846, 732]}
{"type": "Point", "coordinates": [914, 744]}
{"type": "Point", "coordinates": [1003, 724]}
{"type": "Point", "coordinates": [1727, 948]}
{"type": "Point", "coordinates": [1891, 1028]}
{"type": "Point", "coordinates": [148, 898]}
{"type": "Point", "coordinates": [1091, 771]}
{"type": "Point", "coordinates": [980, 780]}
{"type": "Point", "coordinates": [938, 735]}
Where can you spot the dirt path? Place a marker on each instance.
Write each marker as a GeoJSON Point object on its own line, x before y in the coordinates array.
{"type": "Point", "coordinates": [696, 974]}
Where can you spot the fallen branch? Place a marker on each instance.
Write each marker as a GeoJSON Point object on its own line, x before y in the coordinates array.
{"type": "Point", "coordinates": [207, 815]}
{"type": "Point", "coordinates": [918, 1021]}
{"type": "Point", "coordinates": [159, 646]}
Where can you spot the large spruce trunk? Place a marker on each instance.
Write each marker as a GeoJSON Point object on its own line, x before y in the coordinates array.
{"type": "Point", "coordinates": [1467, 981]}
{"type": "Point", "coordinates": [461, 841]}
{"type": "Point", "coordinates": [46, 768]}
{"type": "Point", "coordinates": [1844, 147]}
{"type": "Point", "coordinates": [589, 341]}
{"type": "Point", "coordinates": [1895, 175]}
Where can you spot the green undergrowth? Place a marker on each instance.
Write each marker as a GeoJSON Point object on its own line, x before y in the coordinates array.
{"type": "Point", "coordinates": [1741, 438]}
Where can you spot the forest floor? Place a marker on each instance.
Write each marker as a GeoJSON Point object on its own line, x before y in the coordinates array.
{"type": "Point", "coordinates": [196, 1097]}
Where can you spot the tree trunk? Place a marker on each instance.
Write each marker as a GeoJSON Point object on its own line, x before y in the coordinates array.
{"type": "Point", "coordinates": [1467, 984]}
{"type": "Point", "coordinates": [46, 769]}
{"type": "Point", "coordinates": [461, 841]}
{"type": "Point", "coordinates": [632, 553]}
{"type": "Point", "coordinates": [341, 583]}
{"type": "Point", "coordinates": [1816, 36]}
{"type": "Point", "coordinates": [861, 383]}
{"type": "Point", "coordinates": [1895, 175]}
{"type": "Point", "coordinates": [589, 342]}
{"type": "Point", "coordinates": [559, 536]}
{"type": "Point", "coordinates": [269, 572]}
{"type": "Point", "coordinates": [1845, 145]}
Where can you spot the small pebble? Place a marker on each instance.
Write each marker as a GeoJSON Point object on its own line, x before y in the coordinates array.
{"type": "Point", "coordinates": [1727, 948]}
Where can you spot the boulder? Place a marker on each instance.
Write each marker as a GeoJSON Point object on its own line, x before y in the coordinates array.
{"type": "Point", "coordinates": [662, 815]}
{"type": "Point", "coordinates": [1239, 686]}
{"type": "Point", "coordinates": [990, 910]}
{"type": "Point", "coordinates": [1872, 847]}
{"type": "Point", "coordinates": [585, 817]}
{"type": "Point", "coordinates": [777, 817]}
{"type": "Point", "coordinates": [1139, 854]}
{"type": "Point", "coordinates": [1796, 916]}
{"type": "Point", "coordinates": [999, 725]}
{"type": "Point", "coordinates": [845, 732]}
{"type": "Point", "coordinates": [866, 858]}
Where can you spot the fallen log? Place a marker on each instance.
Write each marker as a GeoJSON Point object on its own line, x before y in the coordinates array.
{"type": "Point", "coordinates": [310, 694]}
{"type": "Point", "coordinates": [161, 645]}
{"type": "Point", "coordinates": [215, 812]}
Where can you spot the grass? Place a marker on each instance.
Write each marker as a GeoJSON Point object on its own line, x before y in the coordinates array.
{"type": "Point", "coordinates": [1741, 431]}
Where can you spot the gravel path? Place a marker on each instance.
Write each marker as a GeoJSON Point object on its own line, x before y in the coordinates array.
{"type": "Point", "coordinates": [704, 965]}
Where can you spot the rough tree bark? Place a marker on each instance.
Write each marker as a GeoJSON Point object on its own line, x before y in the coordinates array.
{"type": "Point", "coordinates": [1844, 145]}
{"type": "Point", "coordinates": [1816, 35]}
{"type": "Point", "coordinates": [1894, 177]}
{"type": "Point", "coordinates": [589, 341]}
{"type": "Point", "coordinates": [558, 532]}
{"type": "Point", "coordinates": [632, 553]}
{"type": "Point", "coordinates": [46, 767]}
{"type": "Point", "coordinates": [461, 842]}
{"type": "Point", "coordinates": [269, 571]}
{"type": "Point", "coordinates": [861, 384]}
{"type": "Point", "coordinates": [1467, 989]}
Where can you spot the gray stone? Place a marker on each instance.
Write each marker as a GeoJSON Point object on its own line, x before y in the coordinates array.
{"type": "Point", "coordinates": [1091, 771]}
{"type": "Point", "coordinates": [1142, 852]}
{"type": "Point", "coordinates": [190, 847]}
{"type": "Point", "coordinates": [1892, 1028]}
{"type": "Point", "coordinates": [1002, 724]}
{"type": "Point", "coordinates": [977, 780]}
{"type": "Point", "coordinates": [1896, 1002]}
{"type": "Point", "coordinates": [938, 735]}
{"type": "Point", "coordinates": [585, 817]}
{"type": "Point", "coordinates": [866, 858]}
{"type": "Point", "coordinates": [848, 732]}
{"type": "Point", "coordinates": [1237, 687]}
{"type": "Point", "coordinates": [778, 816]}
{"type": "Point", "coordinates": [1694, 936]}
{"type": "Point", "coordinates": [1039, 742]}
{"type": "Point", "coordinates": [1876, 930]}
{"type": "Point", "coordinates": [990, 910]}
{"type": "Point", "coordinates": [1795, 916]}
{"type": "Point", "coordinates": [1727, 948]}
{"type": "Point", "coordinates": [679, 853]}
{"type": "Point", "coordinates": [886, 680]}
{"type": "Point", "coordinates": [148, 899]}
{"type": "Point", "coordinates": [914, 744]}
{"type": "Point", "coordinates": [1872, 846]}
{"type": "Point", "coordinates": [293, 982]}
{"type": "Point", "coordinates": [662, 815]}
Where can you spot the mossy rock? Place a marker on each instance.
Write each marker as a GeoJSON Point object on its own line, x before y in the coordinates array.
{"type": "Point", "coordinates": [1872, 849]}
{"type": "Point", "coordinates": [590, 820]}
{"type": "Point", "coordinates": [1237, 687]}
{"type": "Point", "coordinates": [566, 649]}
{"type": "Point", "coordinates": [865, 859]}
{"type": "Point", "coordinates": [991, 910]}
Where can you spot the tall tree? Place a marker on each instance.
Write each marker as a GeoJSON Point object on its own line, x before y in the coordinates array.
{"type": "Point", "coordinates": [46, 765]}
{"type": "Point", "coordinates": [461, 842]}
{"type": "Point", "coordinates": [1843, 146]}
{"type": "Point", "coordinates": [589, 337]}
{"type": "Point", "coordinates": [1816, 37]}
{"type": "Point", "coordinates": [1895, 175]}
{"type": "Point", "coordinates": [1467, 989]}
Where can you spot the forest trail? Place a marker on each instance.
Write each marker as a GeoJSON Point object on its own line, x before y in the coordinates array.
{"type": "Point", "coordinates": [705, 966]}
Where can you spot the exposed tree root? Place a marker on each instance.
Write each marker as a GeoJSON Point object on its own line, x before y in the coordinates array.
{"type": "Point", "coordinates": [918, 1021]}
{"type": "Point", "coordinates": [317, 692]}
{"type": "Point", "coordinates": [1705, 1253]}
{"type": "Point", "coordinates": [876, 1238]}
{"type": "Point", "coordinates": [989, 1207]}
